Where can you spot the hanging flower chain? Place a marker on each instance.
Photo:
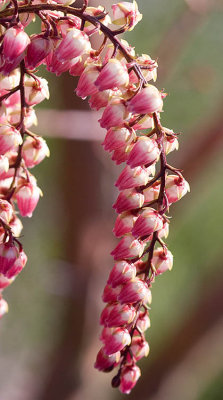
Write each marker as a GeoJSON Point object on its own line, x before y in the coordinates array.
{"type": "Point", "coordinates": [116, 81]}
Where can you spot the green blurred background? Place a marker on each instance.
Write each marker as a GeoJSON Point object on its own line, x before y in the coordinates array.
{"type": "Point", "coordinates": [50, 336]}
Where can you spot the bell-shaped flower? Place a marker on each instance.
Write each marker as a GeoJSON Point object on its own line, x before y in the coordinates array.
{"type": "Point", "coordinates": [114, 74]}
{"type": "Point", "coordinates": [36, 90]}
{"type": "Point", "coordinates": [34, 150]}
{"type": "Point", "coordinates": [6, 211]}
{"type": "Point", "coordinates": [124, 224]}
{"type": "Point", "coordinates": [132, 177]}
{"type": "Point", "coordinates": [110, 293]}
{"type": "Point", "coordinates": [129, 378]}
{"type": "Point", "coordinates": [128, 248]}
{"type": "Point", "coordinates": [74, 44]}
{"type": "Point", "coordinates": [148, 222]}
{"type": "Point", "coordinates": [176, 187]}
{"type": "Point", "coordinates": [162, 260]}
{"type": "Point", "coordinates": [27, 196]}
{"type": "Point", "coordinates": [146, 101]}
{"type": "Point", "coordinates": [115, 315]}
{"type": "Point", "coordinates": [114, 115]}
{"type": "Point", "coordinates": [145, 151]}
{"type": "Point", "coordinates": [115, 339]}
{"type": "Point", "coordinates": [139, 348]}
{"type": "Point", "coordinates": [126, 13]}
{"type": "Point", "coordinates": [128, 199]}
{"type": "Point", "coordinates": [18, 265]}
{"type": "Point", "coordinates": [105, 362]}
{"type": "Point", "coordinates": [135, 291]}
{"type": "Point", "coordinates": [8, 255]}
{"type": "Point", "coordinates": [10, 138]}
{"type": "Point", "coordinates": [121, 273]}
{"type": "Point", "coordinates": [37, 50]}
{"type": "Point", "coordinates": [143, 321]}
{"type": "Point", "coordinates": [117, 138]}
{"type": "Point", "coordinates": [86, 84]}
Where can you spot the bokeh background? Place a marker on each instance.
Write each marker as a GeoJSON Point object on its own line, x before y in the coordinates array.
{"type": "Point", "coordinates": [50, 336]}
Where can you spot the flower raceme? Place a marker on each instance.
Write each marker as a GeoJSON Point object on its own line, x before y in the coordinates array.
{"type": "Point", "coordinates": [117, 83]}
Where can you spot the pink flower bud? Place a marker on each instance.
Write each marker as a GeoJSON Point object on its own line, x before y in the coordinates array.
{"type": "Point", "coordinates": [151, 193]}
{"type": "Point", "coordinates": [145, 151]}
{"type": "Point", "coordinates": [121, 154]}
{"type": "Point", "coordinates": [114, 115]}
{"type": "Point", "coordinates": [170, 141]}
{"type": "Point", "coordinates": [86, 84]}
{"type": "Point", "coordinates": [124, 224]}
{"type": "Point", "coordinates": [129, 378]}
{"type": "Point", "coordinates": [9, 138]}
{"type": "Point", "coordinates": [64, 24]}
{"type": "Point", "coordinates": [8, 255]}
{"type": "Point", "coordinates": [99, 100]}
{"type": "Point", "coordinates": [130, 178]}
{"type": "Point", "coordinates": [147, 101]}
{"type": "Point", "coordinates": [162, 260]}
{"type": "Point", "coordinates": [36, 90]}
{"type": "Point", "coordinates": [114, 74]}
{"type": "Point", "coordinates": [143, 321]}
{"type": "Point", "coordinates": [128, 200]}
{"type": "Point", "coordinates": [18, 265]}
{"type": "Point", "coordinates": [117, 138]}
{"type": "Point", "coordinates": [148, 222]}
{"type": "Point", "coordinates": [126, 13]}
{"type": "Point", "coordinates": [115, 339]}
{"type": "Point", "coordinates": [128, 247]}
{"type": "Point", "coordinates": [176, 187]}
{"type": "Point", "coordinates": [110, 293]}
{"type": "Point", "coordinates": [164, 232]}
{"type": "Point", "coordinates": [74, 44]}
{"type": "Point", "coordinates": [3, 307]}
{"type": "Point", "coordinates": [145, 123]}
{"type": "Point", "coordinates": [37, 50]}
{"type": "Point", "coordinates": [135, 291]}
{"type": "Point", "coordinates": [4, 166]}
{"type": "Point", "coordinates": [139, 348]}
{"type": "Point", "coordinates": [14, 43]}
{"type": "Point", "coordinates": [27, 196]}
{"type": "Point", "coordinates": [115, 315]}
{"type": "Point", "coordinates": [106, 362]}
{"type": "Point", "coordinates": [34, 151]}
{"type": "Point", "coordinates": [121, 273]}
{"type": "Point", "coordinates": [6, 211]}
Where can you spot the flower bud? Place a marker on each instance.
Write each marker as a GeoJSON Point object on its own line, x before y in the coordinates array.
{"type": "Point", "coordinates": [124, 224]}
{"type": "Point", "coordinates": [99, 100]}
{"type": "Point", "coordinates": [18, 265]}
{"type": "Point", "coordinates": [148, 222]}
{"type": "Point", "coordinates": [121, 273]}
{"type": "Point", "coordinates": [162, 260]}
{"type": "Point", "coordinates": [9, 138]}
{"type": "Point", "coordinates": [151, 193]}
{"type": "Point", "coordinates": [34, 151]}
{"type": "Point", "coordinates": [143, 321]}
{"type": "Point", "coordinates": [115, 315]}
{"type": "Point", "coordinates": [146, 101]}
{"type": "Point", "coordinates": [106, 362]}
{"type": "Point", "coordinates": [129, 378]}
{"type": "Point", "coordinates": [128, 247]}
{"type": "Point", "coordinates": [145, 151]}
{"type": "Point", "coordinates": [37, 50]}
{"type": "Point", "coordinates": [114, 74]}
{"type": "Point", "coordinates": [135, 291]}
{"type": "Point", "coordinates": [176, 187]}
{"type": "Point", "coordinates": [139, 348]}
{"type": "Point", "coordinates": [126, 13]}
{"type": "Point", "coordinates": [74, 44]}
{"type": "Point", "coordinates": [121, 154]}
{"type": "Point", "coordinates": [130, 178]}
{"type": "Point", "coordinates": [27, 196]}
{"type": "Point", "coordinates": [8, 255]}
{"type": "Point", "coordinates": [36, 90]}
{"type": "Point", "coordinates": [114, 115]}
{"type": "Point", "coordinates": [86, 84]}
{"type": "Point", "coordinates": [128, 200]}
{"type": "Point", "coordinates": [110, 293]}
{"type": "Point", "coordinates": [117, 138]}
{"type": "Point", "coordinates": [4, 166]}
{"type": "Point", "coordinates": [115, 339]}
{"type": "Point", "coordinates": [14, 44]}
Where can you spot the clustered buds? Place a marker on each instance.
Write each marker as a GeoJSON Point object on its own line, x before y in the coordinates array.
{"type": "Point", "coordinates": [117, 82]}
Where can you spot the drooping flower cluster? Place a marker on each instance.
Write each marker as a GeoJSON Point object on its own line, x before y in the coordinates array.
{"type": "Point", "coordinates": [117, 82]}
